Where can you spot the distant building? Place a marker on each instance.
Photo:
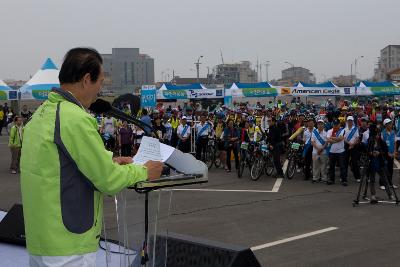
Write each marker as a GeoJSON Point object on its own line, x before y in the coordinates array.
{"type": "Point", "coordinates": [297, 74]}
{"type": "Point", "coordinates": [126, 70]}
{"type": "Point", "coordinates": [389, 60]}
{"type": "Point", "coordinates": [394, 75]}
{"type": "Point", "coordinates": [236, 72]}
{"type": "Point", "coordinates": [344, 80]}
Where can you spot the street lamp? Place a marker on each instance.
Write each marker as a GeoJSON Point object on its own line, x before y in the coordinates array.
{"type": "Point", "coordinates": [291, 64]}
{"type": "Point", "coordinates": [198, 68]}
{"type": "Point", "coordinates": [355, 69]}
{"type": "Point", "coordinates": [266, 69]}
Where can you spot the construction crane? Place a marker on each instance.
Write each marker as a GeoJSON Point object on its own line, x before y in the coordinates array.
{"type": "Point", "coordinates": [222, 58]}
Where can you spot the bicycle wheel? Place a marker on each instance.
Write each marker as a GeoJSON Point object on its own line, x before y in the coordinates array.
{"type": "Point", "coordinates": [217, 160]}
{"type": "Point", "coordinates": [209, 157]}
{"type": "Point", "coordinates": [291, 169]}
{"type": "Point", "coordinates": [242, 164]}
{"type": "Point", "coordinates": [269, 166]}
{"type": "Point", "coordinates": [257, 168]}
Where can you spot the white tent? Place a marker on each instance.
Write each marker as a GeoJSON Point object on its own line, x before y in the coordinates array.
{"type": "Point", "coordinates": [42, 82]}
{"type": "Point", "coordinates": [4, 88]}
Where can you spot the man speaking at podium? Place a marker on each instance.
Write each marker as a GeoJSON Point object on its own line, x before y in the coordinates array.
{"type": "Point", "coordinates": [66, 171]}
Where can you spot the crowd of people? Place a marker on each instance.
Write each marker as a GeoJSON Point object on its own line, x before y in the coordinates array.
{"type": "Point", "coordinates": [331, 134]}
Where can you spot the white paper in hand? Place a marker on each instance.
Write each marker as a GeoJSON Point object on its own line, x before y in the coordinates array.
{"type": "Point", "coordinates": [149, 150]}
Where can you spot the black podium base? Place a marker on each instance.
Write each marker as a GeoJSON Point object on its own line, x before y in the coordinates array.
{"type": "Point", "coordinates": [185, 251]}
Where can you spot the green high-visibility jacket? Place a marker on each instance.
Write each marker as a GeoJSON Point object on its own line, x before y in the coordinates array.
{"type": "Point", "coordinates": [65, 172]}
{"type": "Point", "coordinates": [15, 139]}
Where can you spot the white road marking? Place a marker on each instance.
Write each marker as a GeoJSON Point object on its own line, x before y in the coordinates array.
{"type": "Point", "coordinates": [275, 189]}
{"type": "Point", "coordinates": [284, 168]}
{"type": "Point", "coordinates": [222, 190]}
{"type": "Point", "coordinates": [290, 239]}
{"type": "Point", "coordinates": [397, 163]}
{"type": "Point", "coordinates": [277, 184]}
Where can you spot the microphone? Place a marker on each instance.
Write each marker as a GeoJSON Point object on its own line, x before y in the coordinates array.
{"type": "Point", "coordinates": [103, 106]}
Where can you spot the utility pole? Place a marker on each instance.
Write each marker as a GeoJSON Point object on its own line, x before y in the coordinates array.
{"type": "Point", "coordinates": [355, 67]}
{"type": "Point", "coordinates": [266, 69]}
{"type": "Point", "coordinates": [198, 68]}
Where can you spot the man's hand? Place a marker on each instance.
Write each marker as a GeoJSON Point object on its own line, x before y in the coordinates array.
{"type": "Point", "coordinates": [154, 169]}
{"type": "Point", "coordinates": [123, 160]}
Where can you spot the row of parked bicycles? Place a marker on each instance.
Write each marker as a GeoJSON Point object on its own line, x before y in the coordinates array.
{"type": "Point", "coordinates": [257, 158]}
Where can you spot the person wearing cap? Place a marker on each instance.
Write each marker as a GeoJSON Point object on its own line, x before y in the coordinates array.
{"type": "Point", "coordinates": [174, 121]}
{"type": "Point", "coordinates": [389, 137]}
{"type": "Point", "coordinates": [231, 138]}
{"type": "Point", "coordinates": [168, 130]}
{"type": "Point", "coordinates": [319, 152]}
{"type": "Point", "coordinates": [275, 141]}
{"type": "Point", "coordinates": [203, 130]}
{"type": "Point", "coordinates": [183, 133]}
{"type": "Point", "coordinates": [307, 152]}
{"type": "Point", "coordinates": [335, 138]}
{"type": "Point", "coordinates": [352, 155]}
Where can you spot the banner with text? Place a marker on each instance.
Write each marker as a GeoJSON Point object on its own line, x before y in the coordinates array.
{"type": "Point", "coordinates": [148, 96]}
{"type": "Point", "coordinates": [190, 94]}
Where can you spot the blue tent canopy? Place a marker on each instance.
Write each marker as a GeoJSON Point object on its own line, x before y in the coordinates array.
{"type": "Point", "coordinates": [325, 84]}
{"type": "Point", "coordinates": [375, 84]}
{"type": "Point", "coordinates": [49, 65]}
{"type": "Point", "coordinates": [253, 85]}
{"type": "Point", "coordinates": [183, 87]}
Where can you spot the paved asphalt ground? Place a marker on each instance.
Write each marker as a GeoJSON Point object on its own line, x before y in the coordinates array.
{"type": "Point", "coordinates": [350, 236]}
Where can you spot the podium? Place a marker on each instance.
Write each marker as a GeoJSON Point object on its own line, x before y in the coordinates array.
{"type": "Point", "coordinates": [142, 213]}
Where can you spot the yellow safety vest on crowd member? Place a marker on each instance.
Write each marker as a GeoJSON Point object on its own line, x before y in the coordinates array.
{"type": "Point", "coordinates": [258, 120]}
{"type": "Point", "coordinates": [1, 115]}
{"type": "Point", "coordinates": [219, 130]}
{"type": "Point", "coordinates": [174, 123]}
{"type": "Point", "coordinates": [255, 130]}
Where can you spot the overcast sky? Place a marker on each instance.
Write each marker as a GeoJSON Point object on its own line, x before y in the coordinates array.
{"type": "Point", "coordinates": [324, 36]}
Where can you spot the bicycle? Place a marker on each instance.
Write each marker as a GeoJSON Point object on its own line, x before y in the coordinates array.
{"type": "Point", "coordinates": [245, 157]}
{"type": "Point", "coordinates": [263, 162]}
{"type": "Point", "coordinates": [212, 153]}
{"type": "Point", "coordinates": [295, 159]}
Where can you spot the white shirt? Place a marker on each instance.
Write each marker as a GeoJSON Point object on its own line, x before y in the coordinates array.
{"type": "Point", "coordinates": [109, 126]}
{"type": "Point", "coordinates": [365, 137]}
{"type": "Point", "coordinates": [180, 131]}
{"type": "Point", "coordinates": [264, 124]}
{"type": "Point", "coordinates": [200, 126]}
{"type": "Point", "coordinates": [339, 146]}
{"type": "Point", "coordinates": [354, 138]}
{"type": "Point", "coordinates": [307, 135]}
{"type": "Point", "coordinates": [318, 144]}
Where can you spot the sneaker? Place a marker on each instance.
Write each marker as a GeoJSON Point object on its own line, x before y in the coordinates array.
{"type": "Point", "coordinates": [228, 170]}
{"type": "Point", "coordinates": [14, 172]}
{"type": "Point", "coordinates": [382, 187]}
{"type": "Point", "coordinates": [314, 181]}
{"type": "Point", "coordinates": [344, 183]}
{"type": "Point", "coordinates": [395, 186]}
{"type": "Point", "coordinates": [391, 197]}
{"type": "Point", "coordinates": [358, 180]}
{"type": "Point", "coordinates": [373, 200]}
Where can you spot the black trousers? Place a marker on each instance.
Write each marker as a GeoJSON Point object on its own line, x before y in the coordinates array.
{"type": "Point", "coordinates": [110, 143]}
{"type": "Point", "coordinates": [352, 157]}
{"type": "Point", "coordinates": [126, 150]}
{"type": "Point", "coordinates": [201, 146]}
{"type": "Point", "coordinates": [333, 159]}
{"type": "Point", "coordinates": [184, 146]}
{"type": "Point", "coordinates": [276, 156]}
{"type": "Point", "coordinates": [382, 179]}
{"type": "Point", "coordinates": [308, 163]}
{"type": "Point", "coordinates": [389, 171]}
{"type": "Point", "coordinates": [232, 148]}
{"type": "Point", "coordinates": [174, 139]}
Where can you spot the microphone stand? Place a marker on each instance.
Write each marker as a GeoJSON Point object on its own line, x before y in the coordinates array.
{"type": "Point", "coordinates": [146, 187]}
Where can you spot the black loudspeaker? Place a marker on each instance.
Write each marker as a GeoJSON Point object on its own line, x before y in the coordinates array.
{"type": "Point", "coordinates": [185, 251]}
{"type": "Point", "coordinates": [12, 228]}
